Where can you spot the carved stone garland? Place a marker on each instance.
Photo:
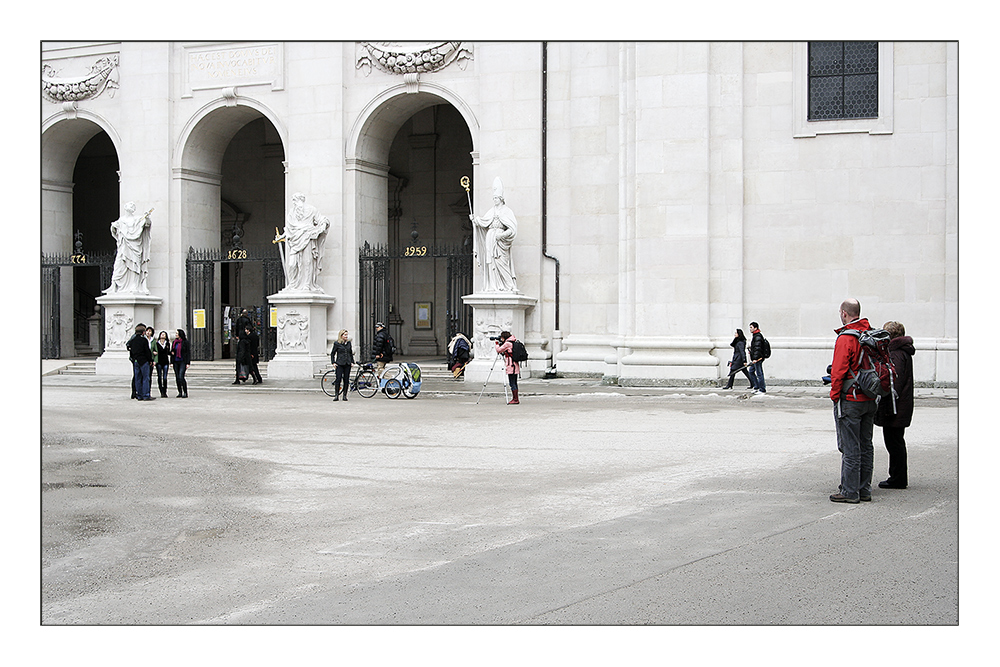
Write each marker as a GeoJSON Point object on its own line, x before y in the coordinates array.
{"type": "Point", "coordinates": [103, 76]}
{"type": "Point", "coordinates": [412, 58]}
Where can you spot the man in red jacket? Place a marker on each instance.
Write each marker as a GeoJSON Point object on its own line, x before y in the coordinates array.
{"type": "Point", "coordinates": [853, 410]}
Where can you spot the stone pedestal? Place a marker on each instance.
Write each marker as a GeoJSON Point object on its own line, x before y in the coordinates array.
{"type": "Point", "coordinates": [494, 312]}
{"type": "Point", "coordinates": [301, 334]}
{"type": "Point", "coordinates": [122, 312]}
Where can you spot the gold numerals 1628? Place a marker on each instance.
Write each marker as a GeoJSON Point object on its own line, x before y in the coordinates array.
{"type": "Point", "coordinates": [236, 253]}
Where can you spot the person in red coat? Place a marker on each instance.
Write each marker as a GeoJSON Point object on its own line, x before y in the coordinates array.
{"type": "Point", "coordinates": [893, 424]}
{"type": "Point", "coordinates": [853, 410]}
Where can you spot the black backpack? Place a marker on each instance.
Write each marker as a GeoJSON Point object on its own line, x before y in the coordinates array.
{"type": "Point", "coordinates": [518, 352]}
{"type": "Point", "coordinates": [765, 348]}
{"type": "Point", "coordinates": [390, 343]}
{"type": "Point", "coordinates": [875, 374]}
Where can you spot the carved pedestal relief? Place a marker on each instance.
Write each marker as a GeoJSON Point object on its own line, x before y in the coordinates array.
{"type": "Point", "coordinates": [118, 330]}
{"type": "Point", "coordinates": [293, 331]}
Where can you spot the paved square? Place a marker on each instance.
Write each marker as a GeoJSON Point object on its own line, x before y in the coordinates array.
{"type": "Point", "coordinates": [591, 506]}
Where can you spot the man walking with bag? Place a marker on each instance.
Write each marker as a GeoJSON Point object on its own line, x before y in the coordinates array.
{"type": "Point", "coordinates": [853, 410]}
{"type": "Point", "coordinates": [760, 350]}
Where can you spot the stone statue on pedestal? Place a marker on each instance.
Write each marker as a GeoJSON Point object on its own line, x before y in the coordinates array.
{"type": "Point", "coordinates": [304, 238]}
{"type": "Point", "coordinates": [494, 233]}
{"type": "Point", "coordinates": [131, 233]}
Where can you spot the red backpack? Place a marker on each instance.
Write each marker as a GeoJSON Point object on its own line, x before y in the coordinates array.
{"type": "Point", "coordinates": [875, 373]}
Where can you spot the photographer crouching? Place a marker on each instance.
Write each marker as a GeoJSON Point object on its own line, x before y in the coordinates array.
{"type": "Point", "coordinates": [505, 345]}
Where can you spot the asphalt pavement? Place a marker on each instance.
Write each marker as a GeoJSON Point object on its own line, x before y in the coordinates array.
{"type": "Point", "coordinates": [583, 505]}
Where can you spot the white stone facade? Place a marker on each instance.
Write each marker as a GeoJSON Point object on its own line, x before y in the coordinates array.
{"type": "Point", "coordinates": [685, 192]}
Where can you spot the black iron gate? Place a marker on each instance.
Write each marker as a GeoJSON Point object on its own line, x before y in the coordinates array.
{"type": "Point", "coordinates": [52, 264]}
{"type": "Point", "coordinates": [375, 273]}
{"type": "Point", "coordinates": [201, 296]}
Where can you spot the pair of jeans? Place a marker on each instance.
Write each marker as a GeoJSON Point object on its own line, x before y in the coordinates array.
{"type": "Point", "coordinates": [179, 370]}
{"type": "Point", "coordinates": [855, 422]}
{"type": "Point", "coordinates": [757, 376]}
{"type": "Point", "coordinates": [142, 372]}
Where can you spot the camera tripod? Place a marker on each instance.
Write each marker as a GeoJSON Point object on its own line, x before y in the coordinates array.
{"type": "Point", "coordinates": [488, 381]}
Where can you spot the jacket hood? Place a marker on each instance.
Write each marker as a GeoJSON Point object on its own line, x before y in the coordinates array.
{"type": "Point", "coordinates": [858, 325]}
{"type": "Point", "coordinates": [904, 343]}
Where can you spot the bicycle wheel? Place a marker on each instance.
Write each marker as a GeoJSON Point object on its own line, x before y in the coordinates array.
{"type": "Point", "coordinates": [408, 390]}
{"type": "Point", "coordinates": [327, 382]}
{"type": "Point", "coordinates": [367, 384]}
{"type": "Point", "coordinates": [393, 389]}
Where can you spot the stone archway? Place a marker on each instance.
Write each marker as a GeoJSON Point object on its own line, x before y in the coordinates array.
{"type": "Point", "coordinates": [67, 139]}
{"type": "Point", "coordinates": [398, 187]}
{"type": "Point", "coordinates": [206, 174]}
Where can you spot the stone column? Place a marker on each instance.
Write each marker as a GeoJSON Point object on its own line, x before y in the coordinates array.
{"type": "Point", "coordinates": [122, 312]}
{"type": "Point", "coordinates": [494, 312]}
{"type": "Point", "coordinates": [301, 331]}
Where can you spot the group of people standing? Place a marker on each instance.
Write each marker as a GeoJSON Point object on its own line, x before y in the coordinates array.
{"type": "Point", "coordinates": [147, 354]}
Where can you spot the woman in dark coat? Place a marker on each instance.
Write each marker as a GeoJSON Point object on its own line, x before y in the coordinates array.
{"type": "Point", "coordinates": [893, 425]}
{"type": "Point", "coordinates": [180, 353]}
{"type": "Point", "coordinates": [242, 358]}
{"type": "Point", "coordinates": [342, 356]}
{"type": "Point", "coordinates": [161, 356]}
{"type": "Point", "coordinates": [739, 346]}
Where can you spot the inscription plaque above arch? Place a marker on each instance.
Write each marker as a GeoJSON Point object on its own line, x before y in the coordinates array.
{"type": "Point", "coordinates": [226, 66]}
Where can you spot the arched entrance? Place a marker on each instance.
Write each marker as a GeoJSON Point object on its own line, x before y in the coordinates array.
{"type": "Point", "coordinates": [232, 188]}
{"type": "Point", "coordinates": [80, 200]}
{"type": "Point", "coordinates": [413, 231]}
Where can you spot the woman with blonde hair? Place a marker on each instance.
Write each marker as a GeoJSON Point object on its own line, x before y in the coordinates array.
{"type": "Point", "coordinates": [342, 356]}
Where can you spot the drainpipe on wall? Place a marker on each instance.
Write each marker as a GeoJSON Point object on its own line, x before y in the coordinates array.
{"type": "Point", "coordinates": [556, 333]}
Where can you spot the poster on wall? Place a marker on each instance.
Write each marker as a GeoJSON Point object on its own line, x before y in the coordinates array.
{"type": "Point", "coordinates": [199, 318]}
{"type": "Point", "coordinates": [274, 317]}
{"type": "Point", "coordinates": [422, 319]}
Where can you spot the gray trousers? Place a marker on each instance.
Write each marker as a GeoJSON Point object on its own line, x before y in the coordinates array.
{"type": "Point", "coordinates": [855, 422]}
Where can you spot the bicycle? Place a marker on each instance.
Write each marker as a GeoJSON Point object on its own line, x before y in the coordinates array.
{"type": "Point", "coordinates": [365, 381]}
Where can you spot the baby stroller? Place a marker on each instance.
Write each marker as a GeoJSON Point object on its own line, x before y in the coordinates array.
{"type": "Point", "coordinates": [402, 379]}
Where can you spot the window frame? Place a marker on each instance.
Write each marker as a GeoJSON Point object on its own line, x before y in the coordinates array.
{"type": "Point", "coordinates": [805, 128]}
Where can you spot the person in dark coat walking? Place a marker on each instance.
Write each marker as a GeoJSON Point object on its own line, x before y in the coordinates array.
{"type": "Point", "coordinates": [342, 356]}
{"type": "Point", "coordinates": [758, 353]}
{"type": "Point", "coordinates": [242, 359]}
{"type": "Point", "coordinates": [901, 352]}
{"type": "Point", "coordinates": [739, 346]}
{"type": "Point", "coordinates": [253, 347]}
{"type": "Point", "coordinates": [180, 354]}
{"type": "Point", "coordinates": [238, 333]}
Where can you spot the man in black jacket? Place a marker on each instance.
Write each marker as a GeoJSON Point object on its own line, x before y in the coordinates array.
{"type": "Point", "coordinates": [142, 363]}
{"type": "Point", "coordinates": [381, 347]}
{"type": "Point", "coordinates": [758, 352]}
